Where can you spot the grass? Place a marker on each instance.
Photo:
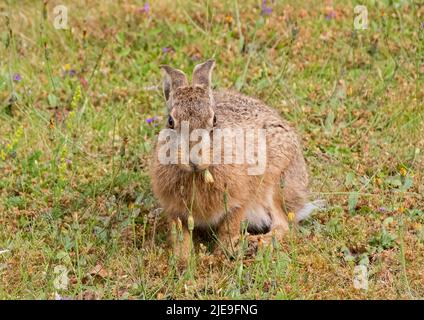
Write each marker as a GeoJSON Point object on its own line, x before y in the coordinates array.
{"type": "Point", "coordinates": [74, 146]}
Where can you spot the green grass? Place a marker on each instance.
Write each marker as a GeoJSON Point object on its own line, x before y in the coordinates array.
{"type": "Point", "coordinates": [74, 149]}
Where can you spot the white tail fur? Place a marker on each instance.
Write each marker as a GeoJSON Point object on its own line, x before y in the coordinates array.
{"type": "Point", "coordinates": [310, 207]}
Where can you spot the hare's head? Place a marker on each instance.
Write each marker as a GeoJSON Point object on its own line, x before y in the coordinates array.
{"type": "Point", "coordinates": [190, 106]}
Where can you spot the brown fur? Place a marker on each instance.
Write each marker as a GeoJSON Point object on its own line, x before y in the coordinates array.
{"type": "Point", "coordinates": [179, 189]}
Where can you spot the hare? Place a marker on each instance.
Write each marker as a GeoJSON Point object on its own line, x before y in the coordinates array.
{"type": "Point", "coordinates": [221, 196]}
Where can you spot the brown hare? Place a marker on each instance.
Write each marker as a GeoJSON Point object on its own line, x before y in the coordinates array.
{"type": "Point", "coordinates": [220, 195]}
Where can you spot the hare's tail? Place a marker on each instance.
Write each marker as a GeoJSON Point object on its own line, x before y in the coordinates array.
{"type": "Point", "coordinates": [310, 207]}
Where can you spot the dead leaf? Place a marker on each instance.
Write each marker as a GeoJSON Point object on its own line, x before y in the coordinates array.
{"type": "Point", "coordinates": [99, 271]}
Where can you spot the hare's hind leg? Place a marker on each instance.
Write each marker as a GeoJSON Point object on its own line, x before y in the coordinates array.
{"type": "Point", "coordinates": [181, 242]}
{"type": "Point", "coordinates": [295, 191]}
{"type": "Point", "coordinates": [279, 225]}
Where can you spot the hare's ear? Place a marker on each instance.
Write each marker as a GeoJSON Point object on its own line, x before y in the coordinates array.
{"type": "Point", "coordinates": [173, 79]}
{"type": "Point", "coordinates": [202, 74]}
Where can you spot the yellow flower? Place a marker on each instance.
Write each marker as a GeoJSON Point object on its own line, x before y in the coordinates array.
{"type": "Point", "coordinates": [417, 226]}
{"type": "Point", "coordinates": [402, 171]}
{"type": "Point", "coordinates": [228, 19]}
{"type": "Point", "coordinates": [67, 67]}
{"type": "Point", "coordinates": [208, 177]}
{"type": "Point", "coordinates": [291, 216]}
{"type": "Point", "coordinates": [76, 98]}
{"type": "Point", "coordinates": [401, 209]}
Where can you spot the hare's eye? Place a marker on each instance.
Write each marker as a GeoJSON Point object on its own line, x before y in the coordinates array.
{"type": "Point", "coordinates": [214, 121]}
{"type": "Point", "coordinates": [170, 122]}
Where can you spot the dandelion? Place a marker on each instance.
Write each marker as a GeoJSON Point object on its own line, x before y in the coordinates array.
{"type": "Point", "coordinates": [228, 19]}
{"type": "Point", "coordinates": [208, 177]}
{"type": "Point", "coordinates": [17, 77]}
{"type": "Point", "coordinates": [402, 171]}
{"type": "Point", "coordinates": [291, 216]}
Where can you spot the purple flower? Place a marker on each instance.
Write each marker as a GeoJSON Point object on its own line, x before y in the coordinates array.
{"type": "Point", "coordinates": [71, 73]}
{"type": "Point", "coordinates": [330, 15]}
{"type": "Point", "coordinates": [145, 9]}
{"type": "Point", "coordinates": [17, 77]}
{"type": "Point", "coordinates": [166, 50]}
{"type": "Point", "coordinates": [57, 296]}
{"type": "Point", "coordinates": [266, 10]}
{"type": "Point", "coordinates": [422, 25]}
{"type": "Point", "coordinates": [151, 120]}
{"type": "Point", "coordinates": [382, 209]}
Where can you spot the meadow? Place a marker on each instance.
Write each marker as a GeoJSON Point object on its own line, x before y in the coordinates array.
{"type": "Point", "coordinates": [81, 107]}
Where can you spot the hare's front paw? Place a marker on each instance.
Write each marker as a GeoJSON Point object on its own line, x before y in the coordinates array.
{"type": "Point", "coordinates": [272, 238]}
{"type": "Point", "coordinates": [246, 246]}
{"type": "Point", "coordinates": [181, 246]}
{"type": "Point", "coordinates": [182, 252]}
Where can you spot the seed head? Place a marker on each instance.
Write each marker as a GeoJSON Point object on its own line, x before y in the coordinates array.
{"type": "Point", "coordinates": [208, 177]}
{"type": "Point", "coordinates": [190, 223]}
